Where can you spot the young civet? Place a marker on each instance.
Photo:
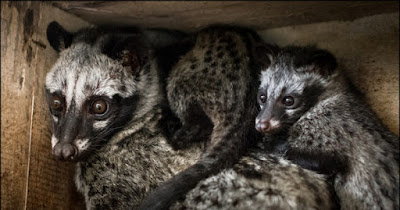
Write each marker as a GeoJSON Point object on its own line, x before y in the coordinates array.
{"type": "Point", "coordinates": [105, 100]}
{"type": "Point", "coordinates": [211, 90]}
{"type": "Point", "coordinates": [312, 115]}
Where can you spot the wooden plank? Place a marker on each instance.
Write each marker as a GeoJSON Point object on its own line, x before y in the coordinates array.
{"type": "Point", "coordinates": [15, 109]}
{"type": "Point", "coordinates": [192, 15]}
{"type": "Point", "coordinates": [30, 177]}
{"type": "Point", "coordinates": [367, 49]}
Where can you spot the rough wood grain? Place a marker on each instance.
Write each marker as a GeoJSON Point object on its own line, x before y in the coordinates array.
{"type": "Point", "coordinates": [30, 178]}
{"type": "Point", "coordinates": [368, 50]}
{"type": "Point", "coordinates": [192, 15]}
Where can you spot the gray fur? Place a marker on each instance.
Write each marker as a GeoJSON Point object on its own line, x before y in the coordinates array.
{"type": "Point", "coordinates": [331, 130]}
{"type": "Point", "coordinates": [121, 173]}
{"type": "Point", "coordinates": [261, 181]}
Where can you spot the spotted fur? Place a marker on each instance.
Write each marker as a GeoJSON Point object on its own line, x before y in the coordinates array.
{"type": "Point", "coordinates": [211, 90]}
{"type": "Point", "coordinates": [329, 128]}
{"type": "Point", "coordinates": [261, 181]}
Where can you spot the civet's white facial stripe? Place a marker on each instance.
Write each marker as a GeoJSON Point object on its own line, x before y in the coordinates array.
{"type": "Point", "coordinates": [290, 112]}
{"type": "Point", "coordinates": [264, 78]}
{"type": "Point", "coordinates": [71, 77]}
{"type": "Point", "coordinates": [53, 78]}
{"type": "Point", "coordinates": [274, 123]}
{"type": "Point", "coordinates": [55, 119]}
{"type": "Point", "coordinates": [100, 124]}
{"type": "Point", "coordinates": [82, 144]}
{"type": "Point", "coordinates": [54, 141]}
{"type": "Point", "coordinates": [79, 94]}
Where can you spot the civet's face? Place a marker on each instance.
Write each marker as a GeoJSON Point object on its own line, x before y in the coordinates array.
{"type": "Point", "coordinates": [90, 97]}
{"type": "Point", "coordinates": [291, 85]}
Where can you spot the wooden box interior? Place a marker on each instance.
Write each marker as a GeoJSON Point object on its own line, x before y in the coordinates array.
{"type": "Point", "coordinates": [363, 35]}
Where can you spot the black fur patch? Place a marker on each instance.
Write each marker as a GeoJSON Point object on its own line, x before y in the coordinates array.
{"type": "Point", "coordinates": [329, 164]}
{"type": "Point", "coordinates": [58, 37]}
{"type": "Point", "coordinates": [319, 61]}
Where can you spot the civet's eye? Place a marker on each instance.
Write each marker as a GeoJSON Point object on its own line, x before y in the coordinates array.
{"type": "Point", "coordinates": [263, 98]}
{"type": "Point", "coordinates": [57, 104]}
{"type": "Point", "coordinates": [288, 101]}
{"type": "Point", "coordinates": [99, 107]}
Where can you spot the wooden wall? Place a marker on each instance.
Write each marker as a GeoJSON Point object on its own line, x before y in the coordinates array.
{"type": "Point", "coordinates": [30, 177]}
{"type": "Point", "coordinates": [368, 48]}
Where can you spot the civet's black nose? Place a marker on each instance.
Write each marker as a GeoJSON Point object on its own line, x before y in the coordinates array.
{"type": "Point", "coordinates": [65, 151]}
{"type": "Point", "coordinates": [263, 126]}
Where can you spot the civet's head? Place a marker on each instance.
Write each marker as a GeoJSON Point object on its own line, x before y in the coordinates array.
{"type": "Point", "coordinates": [93, 88]}
{"type": "Point", "coordinates": [291, 85]}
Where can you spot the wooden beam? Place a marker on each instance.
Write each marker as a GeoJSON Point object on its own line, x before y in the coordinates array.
{"type": "Point", "coordinates": [192, 15]}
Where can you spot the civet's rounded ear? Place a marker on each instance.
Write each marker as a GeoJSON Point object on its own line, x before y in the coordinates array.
{"type": "Point", "coordinates": [264, 54]}
{"type": "Point", "coordinates": [132, 51]}
{"type": "Point", "coordinates": [324, 62]}
{"type": "Point", "coordinates": [58, 37]}
{"type": "Point", "coordinates": [317, 61]}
